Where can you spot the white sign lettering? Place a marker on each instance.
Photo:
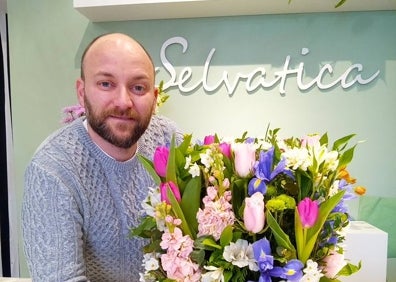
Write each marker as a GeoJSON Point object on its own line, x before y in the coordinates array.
{"type": "Point", "coordinates": [257, 78]}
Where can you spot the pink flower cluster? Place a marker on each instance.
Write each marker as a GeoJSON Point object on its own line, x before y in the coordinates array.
{"type": "Point", "coordinates": [176, 261]}
{"type": "Point", "coordinates": [216, 215]}
{"type": "Point", "coordinates": [72, 112]}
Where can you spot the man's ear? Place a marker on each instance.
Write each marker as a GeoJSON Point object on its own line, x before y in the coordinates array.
{"type": "Point", "coordinates": [80, 88]}
{"type": "Point", "coordinates": [156, 91]}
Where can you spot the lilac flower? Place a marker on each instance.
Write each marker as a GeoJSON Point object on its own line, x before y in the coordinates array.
{"type": "Point", "coordinates": [265, 261]}
{"type": "Point", "coordinates": [349, 195]}
{"type": "Point", "coordinates": [264, 172]}
{"type": "Point", "coordinates": [292, 271]}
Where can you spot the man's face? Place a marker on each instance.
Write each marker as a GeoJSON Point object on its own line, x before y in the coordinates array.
{"type": "Point", "coordinates": [118, 91]}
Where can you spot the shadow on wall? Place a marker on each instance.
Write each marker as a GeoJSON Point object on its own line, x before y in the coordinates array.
{"type": "Point", "coordinates": [379, 211]}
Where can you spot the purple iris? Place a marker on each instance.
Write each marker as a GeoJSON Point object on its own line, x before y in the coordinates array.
{"type": "Point", "coordinates": [349, 195]}
{"type": "Point", "coordinates": [265, 261]}
{"type": "Point", "coordinates": [292, 271]}
{"type": "Point", "coordinates": [264, 173]}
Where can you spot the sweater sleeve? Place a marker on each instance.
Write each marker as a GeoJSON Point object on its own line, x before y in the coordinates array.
{"type": "Point", "coordinates": [52, 228]}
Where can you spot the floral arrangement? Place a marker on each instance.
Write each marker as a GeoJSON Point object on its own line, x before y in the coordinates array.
{"type": "Point", "coordinates": [248, 209]}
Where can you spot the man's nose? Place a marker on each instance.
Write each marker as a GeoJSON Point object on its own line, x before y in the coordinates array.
{"type": "Point", "coordinates": [124, 98]}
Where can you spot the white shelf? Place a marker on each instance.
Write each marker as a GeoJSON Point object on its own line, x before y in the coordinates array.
{"type": "Point", "coordinates": [121, 10]}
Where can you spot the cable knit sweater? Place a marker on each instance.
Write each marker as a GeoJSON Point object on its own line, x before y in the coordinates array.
{"type": "Point", "coordinates": [79, 205]}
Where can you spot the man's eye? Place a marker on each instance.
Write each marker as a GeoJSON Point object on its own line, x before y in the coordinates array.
{"type": "Point", "coordinates": [105, 84]}
{"type": "Point", "coordinates": [139, 89]}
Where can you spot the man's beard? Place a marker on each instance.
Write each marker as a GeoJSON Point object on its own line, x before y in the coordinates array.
{"type": "Point", "coordinates": [97, 122]}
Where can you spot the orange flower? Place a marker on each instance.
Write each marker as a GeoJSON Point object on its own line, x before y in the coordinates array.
{"type": "Point", "coordinates": [360, 190]}
{"type": "Point", "coordinates": [344, 174]}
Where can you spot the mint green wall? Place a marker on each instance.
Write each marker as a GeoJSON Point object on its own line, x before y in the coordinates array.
{"type": "Point", "coordinates": [47, 38]}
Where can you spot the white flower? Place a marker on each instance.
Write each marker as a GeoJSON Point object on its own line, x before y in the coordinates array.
{"type": "Point", "coordinates": [297, 158]}
{"type": "Point", "coordinates": [188, 162]}
{"type": "Point", "coordinates": [213, 275]}
{"type": "Point", "coordinates": [312, 272]}
{"type": "Point", "coordinates": [150, 261]}
{"type": "Point", "coordinates": [146, 277]}
{"type": "Point", "coordinates": [194, 170]}
{"type": "Point", "coordinates": [151, 264]}
{"type": "Point", "coordinates": [240, 254]}
{"type": "Point", "coordinates": [331, 160]}
{"type": "Point", "coordinates": [206, 158]}
{"type": "Point", "coordinates": [334, 188]}
{"type": "Point", "coordinates": [264, 145]}
{"type": "Point", "coordinates": [152, 200]}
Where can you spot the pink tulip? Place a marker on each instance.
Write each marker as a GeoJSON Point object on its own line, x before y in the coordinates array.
{"type": "Point", "coordinates": [310, 140]}
{"type": "Point", "coordinates": [308, 211]}
{"type": "Point", "coordinates": [209, 139]}
{"type": "Point", "coordinates": [174, 189]}
{"type": "Point", "coordinates": [160, 160]}
{"type": "Point", "coordinates": [253, 214]}
{"type": "Point", "coordinates": [245, 157]}
{"type": "Point", "coordinates": [225, 149]}
{"type": "Point", "coordinates": [333, 264]}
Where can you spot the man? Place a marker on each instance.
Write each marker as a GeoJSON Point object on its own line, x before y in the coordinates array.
{"type": "Point", "coordinates": [84, 185]}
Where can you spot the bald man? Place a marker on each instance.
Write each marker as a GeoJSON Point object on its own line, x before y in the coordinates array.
{"type": "Point", "coordinates": [84, 185]}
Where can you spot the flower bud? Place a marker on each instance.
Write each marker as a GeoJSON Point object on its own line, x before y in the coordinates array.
{"type": "Point", "coordinates": [209, 139]}
{"type": "Point", "coordinates": [174, 189]}
{"type": "Point", "coordinates": [245, 157]}
{"type": "Point", "coordinates": [160, 160]}
{"type": "Point", "coordinates": [253, 214]}
{"type": "Point", "coordinates": [308, 211]}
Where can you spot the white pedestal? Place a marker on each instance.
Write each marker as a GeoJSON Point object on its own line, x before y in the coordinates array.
{"type": "Point", "coordinates": [368, 244]}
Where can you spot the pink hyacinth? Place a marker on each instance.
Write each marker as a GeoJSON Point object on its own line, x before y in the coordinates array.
{"type": "Point", "coordinates": [176, 261]}
{"type": "Point", "coordinates": [216, 214]}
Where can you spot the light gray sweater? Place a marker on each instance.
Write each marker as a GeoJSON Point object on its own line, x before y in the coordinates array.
{"type": "Point", "coordinates": [79, 205]}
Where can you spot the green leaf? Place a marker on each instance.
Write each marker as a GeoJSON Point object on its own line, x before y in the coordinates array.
{"type": "Point", "coordinates": [226, 236]}
{"type": "Point", "coordinates": [312, 233]}
{"type": "Point", "coordinates": [281, 237]}
{"type": "Point", "coordinates": [206, 243]}
{"type": "Point", "coordinates": [191, 201]}
{"type": "Point", "coordinates": [324, 140]}
{"type": "Point", "coordinates": [349, 269]}
{"type": "Point", "coordinates": [198, 256]}
{"type": "Point", "coordinates": [346, 157]}
{"type": "Point", "coordinates": [299, 233]}
{"type": "Point", "coordinates": [211, 243]}
{"type": "Point", "coordinates": [149, 166]}
{"type": "Point", "coordinates": [179, 214]}
{"type": "Point", "coordinates": [340, 142]}
{"type": "Point", "coordinates": [147, 224]}
{"type": "Point", "coordinates": [341, 2]}
{"type": "Point", "coordinates": [171, 167]}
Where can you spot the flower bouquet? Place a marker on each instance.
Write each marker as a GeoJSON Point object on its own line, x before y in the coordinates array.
{"type": "Point", "coordinates": [249, 209]}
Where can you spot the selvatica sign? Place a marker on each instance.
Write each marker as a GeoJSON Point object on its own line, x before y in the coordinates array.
{"type": "Point", "coordinates": [257, 78]}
